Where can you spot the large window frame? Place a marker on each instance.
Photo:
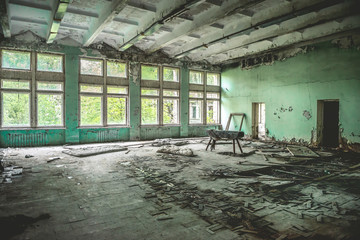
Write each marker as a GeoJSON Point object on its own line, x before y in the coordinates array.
{"type": "Point", "coordinates": [106, 81]}
{"type": "Point", "coordinates": [204, 87]}
{"type": "Point", "coordinates": [33, 77]}
{"type": "Point", "coordinates": [162, 85]}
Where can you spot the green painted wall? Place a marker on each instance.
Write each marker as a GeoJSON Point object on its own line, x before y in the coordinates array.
{"type": "Point", "coordinates": [71, 133]}
{"type": "Point", "coordinates": [327, 72]}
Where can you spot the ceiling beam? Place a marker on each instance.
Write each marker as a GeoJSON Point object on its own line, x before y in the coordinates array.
{"type": "Point", "coordinates": [298, 23]}
{"type": "Point", "coordinates": [107, 15]}
{"type": "Point", "coordinates": [4, 19]}
{"type": "Point", "coordinates": [207, 18]}
{"type": "Point", "coordinates": [142, 6]}
{"type": "Point", "coordinates": [282, 15]}
{"type": "Point", "coordinates": [327, 30]}
{"type": "Point", "coordinates": [57, 16]}
{"type": "Point", "coordinates": [126, 21]}
{"type": "Point", "coordinates": [155, 26]}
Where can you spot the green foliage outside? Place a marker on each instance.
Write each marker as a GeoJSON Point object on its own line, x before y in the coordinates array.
{"type": "Point", "coordinates": [212, 112]}
{"type": "Point", "coordinates": [149, 110]}
{"type": "Point", "coordinates": [116, 69]}
{"type": "Point", "coordinates": [90, 110]}
{"type": "Point", "coordinates": [15, 59]}
{"type": "Point", "coordinates": [149, 92]}
{"type": "Point", "coordinates": [171, 74]}
{"type": "Point", "coordinates": [117, 90]}
{"type": "Point", "coordinates": [196, 77]}
{"type": "Point", "coordinates": [14, 84]}
{"type": "Point", "coordinates": [49, 86]}
{"type": "Point", "coordinates": [91, 67]}
{"type": "Point", "coordinates": [90, 88]}
{"type": "Point", "coordinates": [49, 109]}
{"type": "Point", "coordinates": [170, 93]}
{"type": "Point", "coordinates": [116, 110]}
{"type": "Point", "coordinates": [170, 111]}
{"type": "Point", "coordinates": [212, 79]}
{"type": "Point", "coordinates": [16, 109]}
{"type": "Point", "coordinates": [149, 73]}
{"type": "Point", "coordinates": [49, 62]}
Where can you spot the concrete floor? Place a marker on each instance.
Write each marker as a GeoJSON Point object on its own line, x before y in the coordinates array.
{"type": "Point", "coordinates": [142, 194]}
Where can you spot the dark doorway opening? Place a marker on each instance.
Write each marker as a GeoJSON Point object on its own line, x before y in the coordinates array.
{"type": "Point", "coordinates": [329, 126]}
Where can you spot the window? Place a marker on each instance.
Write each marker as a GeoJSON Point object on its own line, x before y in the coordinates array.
{"type": "Point", "coordinates": [33, 100]}
{"type": "Point", "coordinates": [196, 107]}
{"type": "Point", "coordinates": [91, 67]}
{"type": "Point", "coordinates": [204, 99]}
{"type": "Point", "coordinates": [160, 98]}
{"type": "Point", "coordinates": [149, 73]}
{"type": "Point", "coordinates": [49, 63]}
{"type": "Point", "coordinates": [103, 99]}
{"type": "Point", "coordinates": [170, 107]}
{"type": "Point", "coordinates": [171, 74]}
{"type": "Point", "coordinates": [213, 79]}
{"type": "Point", "coordinates": [196, 77]}
{"type": "Point", "coordinates": [15, 59]}
{"type": "Point", "coordinates": [212, 108]}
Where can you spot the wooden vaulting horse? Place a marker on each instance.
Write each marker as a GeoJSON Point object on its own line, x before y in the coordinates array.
{"type": "Point", "coordinates": [216, 135]}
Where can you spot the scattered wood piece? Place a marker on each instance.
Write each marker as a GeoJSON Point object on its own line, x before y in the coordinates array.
{"type": "Point", "coordinates": [52, 159]}
{"type": "Point", "coordinates": [164, 218]}
{"type": "Point", "coordinates": [301, 151]}
{"type": "Point", "coordinates": [91, 151]}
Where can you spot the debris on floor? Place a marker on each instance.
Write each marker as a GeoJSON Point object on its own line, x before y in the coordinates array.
{"type": "Point", "coordinates": [91, 151]}
{"type": "Point", "coordinates": [53, 159]}
{"type": "Point", "coordinates": [168, 141]}
{"type": "Point", "coordinates": [172, 149]}
{"type": "Point", "coordinates": [10, 172]}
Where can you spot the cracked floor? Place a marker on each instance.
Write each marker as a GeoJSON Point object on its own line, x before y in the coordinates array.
{"type": "Point", "coordinates": [141, 194]}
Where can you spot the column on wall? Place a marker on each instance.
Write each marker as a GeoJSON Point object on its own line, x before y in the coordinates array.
{"type": "Point", "coordinates": [184, 101]}
{"type": "Point", "coordinates": [71, 98]}
{"type": "Point", "coordinates": [134, 100]}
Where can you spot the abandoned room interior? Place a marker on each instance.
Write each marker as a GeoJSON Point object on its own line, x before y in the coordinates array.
{"type": "Point", "coordinates": [184, 119]}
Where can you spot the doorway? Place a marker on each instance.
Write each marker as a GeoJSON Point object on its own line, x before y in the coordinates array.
{"type": "Point", "coordinates": [328, 123]}
{"type": "Point", "coordinates": [258, 120]}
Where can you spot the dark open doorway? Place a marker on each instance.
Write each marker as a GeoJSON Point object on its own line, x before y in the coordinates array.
{"type": "Point", "coordinates": [328, 123]}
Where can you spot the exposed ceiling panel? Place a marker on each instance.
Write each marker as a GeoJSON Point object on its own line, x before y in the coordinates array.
{"type": "Point", "coordinates": [212, 30]}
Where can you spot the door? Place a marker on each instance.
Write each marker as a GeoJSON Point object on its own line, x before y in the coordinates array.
{"type": "Point", "coordinates": [328, 123]}
{"type": "Point", "coordinates": [258, 120]}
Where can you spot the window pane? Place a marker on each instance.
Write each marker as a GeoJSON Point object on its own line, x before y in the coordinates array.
{"type": "Point", "coordinates": [213, 79]}
{"type": "Point", "coordinates": [90, 110]}
{"type": "Point", "coordinates": [170, 111]}
{"type": "Point", "coordinates": [171, 74]}
{"type": "Point", "coordinates": [14, 84]}
{"type": "Point", "coordinates": [149, 73]}
{"type": "Point", "coordinates": [195, 111]}
{"type": "Point", "coordinates": [49, 86]}
{"type": "Point", "coordinates": [49, 109]}
{"type": "Point", "coordinates": [212, 111]}
{"type": "Point", "coordinates": [212, 95]}
{"type": "Point", "coordinates": [15, 59]}
{"type": "Point", "coordinates": [196, 94]}
{"type": "Point", "coordinates": [171, 93]}
{"type": "Point", "coordinates": [49, 62]}
{"type": "Point", "coordinates": [196, 77]}
{"type": "Point", "coordinates": [149, 111]}
{"type": "Point", "coordinates": [16, 109]}
{"type": "Point", "coordinates": [149, 92]}
{"type": "Point", "coordinates": [117, 90]}
{"type": "Point", "coordinates": [91, 88]}
{"type": "Point", "coordinates": [116, 110]}
{"type": "Point", "coordinates": [91, 67]}
{"type": "Point", "coordinates": [116, 69]}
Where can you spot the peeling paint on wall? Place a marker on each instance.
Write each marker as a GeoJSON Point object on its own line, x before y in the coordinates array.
{"type": "Point", "coordinates": [307, 114]}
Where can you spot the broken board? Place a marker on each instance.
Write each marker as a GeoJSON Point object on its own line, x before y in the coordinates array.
{"type": "Point", "coordinates": [90, 151]}
{"type": "Point", "coordinates": [301, 151]}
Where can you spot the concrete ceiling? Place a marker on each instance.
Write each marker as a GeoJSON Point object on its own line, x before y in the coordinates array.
{"type": "Point", "coordinates": [212, 30]}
